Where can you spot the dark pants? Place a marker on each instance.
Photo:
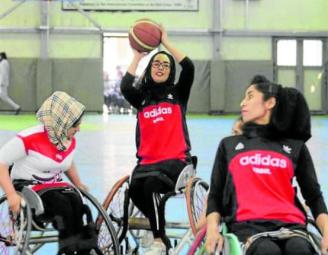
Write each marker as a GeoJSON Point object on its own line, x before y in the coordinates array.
{"type": "Point", "coordinates": [291, 246]}
{"type": "Point", "coordinates": [147, 182]}
{"type": "Point", "coordinates": [66, 209]}
{"type": "Point", "coordinates": [267, 245]}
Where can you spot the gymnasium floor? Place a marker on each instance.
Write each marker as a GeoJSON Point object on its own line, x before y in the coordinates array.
{"type": "Point", "coordinates": [106, 147]}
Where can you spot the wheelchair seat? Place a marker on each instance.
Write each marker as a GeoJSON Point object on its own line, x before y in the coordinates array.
{"type": "Point", "coordinates": [188, 172]}
{"type": "Point", "coordinates": [32, 194]}
{"type": "Point", "coordinates": [34, 200]}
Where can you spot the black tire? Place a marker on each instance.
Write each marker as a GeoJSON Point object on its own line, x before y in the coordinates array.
{"type": "Point", "coordinates": [117, 208]}
{"type": "Point", "coordinates": [107, 239]}
{"type": "Point", "coordinates": [121, 210]}
{"type": "Point", "coordinates": [196, 196]}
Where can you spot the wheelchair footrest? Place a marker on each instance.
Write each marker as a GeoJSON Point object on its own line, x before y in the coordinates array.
{"type": "Point", "coordinates": [139, 223]}
{"type": "Point", "coordinates": [143, 223]}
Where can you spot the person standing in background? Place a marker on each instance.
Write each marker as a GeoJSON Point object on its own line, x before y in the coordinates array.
{"type": "Point", "coordinates": [4, 83]}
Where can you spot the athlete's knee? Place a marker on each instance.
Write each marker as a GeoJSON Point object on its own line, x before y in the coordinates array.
{"type": "Point", "coordinates": [264, 246]}
{"type": "Point", "coordinates": [154, 184]}
{"type": "Point", "coordinates": [299, 246]}
{"type": "Point", "coordinates": [135, 185]}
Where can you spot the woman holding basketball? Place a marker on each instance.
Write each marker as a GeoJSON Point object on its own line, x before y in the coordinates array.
{"type": "Point", "coordinates": [162, 140]}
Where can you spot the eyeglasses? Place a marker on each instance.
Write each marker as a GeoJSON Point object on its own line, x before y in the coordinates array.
{"type": "Point", "coordinates": [157, 64]}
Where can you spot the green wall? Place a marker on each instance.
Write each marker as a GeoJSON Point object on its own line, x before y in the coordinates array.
{"type": "Point", "coordinates": [262, 15]}
{"type": "Point", "coordinates": [288, 15]}
{"type": "Point", "coordinates": [18, 45]}
{"type": "Point", "coordinates": [245, 47]}
{"type": "Point", "coordinates": [72, 45]}
{"type": "Point", "coordinates": [33, 80]}
{"type": "Point", "coordinates": [75, 46]}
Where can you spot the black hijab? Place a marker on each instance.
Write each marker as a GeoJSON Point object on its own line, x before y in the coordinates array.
{"type": "Point", "coordinates": [158, 90]}
{"type": "Point", "coordinates": [290, 117]}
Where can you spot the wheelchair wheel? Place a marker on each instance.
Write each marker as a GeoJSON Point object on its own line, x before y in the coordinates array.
{"type": "Point", "coordinates": [116, 204]}
{"type": "Point", "coordinates": [196, 195]}
{"type": "Point", "coordinates": [125, 217]}
{"type": "Point", "coordinates": [107, 240]}
{"type": "Point", "coordinates": [14, 231]}
{"type": "Point", "coordinates": [198, 245]}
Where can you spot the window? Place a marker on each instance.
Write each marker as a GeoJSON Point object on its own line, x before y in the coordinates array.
{"type": "Point", "coordinates": [312, 53]}
{"type": "Point", "coordinates": [286, 52]}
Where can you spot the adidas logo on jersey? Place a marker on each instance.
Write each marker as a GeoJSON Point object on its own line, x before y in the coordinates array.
{"type": "Point", "coordinates": [260, 160]}
{"type": "Point", "coordinates": [157, 111]}
{"type": "Point", "coordinates": [239, 146]}
{"type": "Point", "coordinates": [287, 149]}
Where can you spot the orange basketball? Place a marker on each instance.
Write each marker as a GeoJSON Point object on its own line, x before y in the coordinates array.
{"type": "Point", "coordinates": [145, 35]}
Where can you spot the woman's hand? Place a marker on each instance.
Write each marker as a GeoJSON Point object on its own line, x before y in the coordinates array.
{"type": "Point", "coordinates": [324, 245]}
{"type": "Point", "coordinates": [176, 53]}
{"type": "Point", "coordinates": [214, 241]}
{"type": "Point", "coordinates": [322, 223]}
{"type": "Point", "coordinates": [164, 38]}
{"type": "Point", "coordinates": [139, 55]}
{"type": "Point", "coordinates": [14, 201]}
{"type": "Point", "coordinates": [83, 187]}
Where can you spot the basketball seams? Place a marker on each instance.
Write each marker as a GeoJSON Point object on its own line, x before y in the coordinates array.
{"type": "Point", "coordinates": [145, 35]}
{"type": "Point", "coordinates": [139, 43]}
{"type": "Point", "coordinates": [148, 22]}
{"type": "Point", "coordinates": [141, 33]}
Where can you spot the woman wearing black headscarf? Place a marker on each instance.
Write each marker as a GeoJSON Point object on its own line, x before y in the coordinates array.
{"type": "Point", "coordinates": [251, 184]}
{"type": "Point", "coordinates": [163, 147]}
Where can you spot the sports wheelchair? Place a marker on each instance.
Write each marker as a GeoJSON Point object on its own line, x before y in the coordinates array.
{"type": "Point", "coordinates": [131, 225]}
{"type": "Point", "coordinates": [28, 231]}
{"type": "Point", "coordinates": [232, 246]}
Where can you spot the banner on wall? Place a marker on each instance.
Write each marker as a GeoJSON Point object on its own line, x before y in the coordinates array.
{"type": "Point", "coordinates": [131, 5]}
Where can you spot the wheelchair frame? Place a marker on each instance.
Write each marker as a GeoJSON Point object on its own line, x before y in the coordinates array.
{"type": "Point", "coordinates": [234, 247]}
{"type": "Point", "coordinates": [128, 220]}
{"type": "Point", "coordinates": [23, 235]}
{"type": "Point", "coordinates": [196, 195]}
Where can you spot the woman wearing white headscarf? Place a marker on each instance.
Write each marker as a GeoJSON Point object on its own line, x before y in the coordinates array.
{"type": "Point", "coordinates": [40, 155]}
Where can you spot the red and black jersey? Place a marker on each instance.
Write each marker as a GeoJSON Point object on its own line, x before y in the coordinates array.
{"type": "Point", "coordinates": [161, 132]}
{"type": "Point", "coordinates": [252, 180]}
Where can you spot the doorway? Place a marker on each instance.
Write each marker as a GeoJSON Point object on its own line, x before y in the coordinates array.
{"type": "Point", "coordinates": [117, 55]}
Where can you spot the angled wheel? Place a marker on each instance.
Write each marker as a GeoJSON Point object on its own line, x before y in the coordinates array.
{"type": "Point", "coordinates": [116, 205]}
{"type": "Point", "coordinates": [125, 216]}
{"type": "Point", "coordinates": [198, 245]}
{"type": "Point", "coordinates": [14, 231]}
{"type": "Point", "coordinates": [196, 196]}
{"type": "Point", "coordinates": [107, 240]}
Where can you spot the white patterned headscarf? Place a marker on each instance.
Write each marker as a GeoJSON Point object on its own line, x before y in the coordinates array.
{"type": "Point", "coordinates": [58, 113]}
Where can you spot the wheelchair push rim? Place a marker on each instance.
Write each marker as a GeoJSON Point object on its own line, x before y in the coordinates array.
{"type": "Point", "coordinates": [14, 230]}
